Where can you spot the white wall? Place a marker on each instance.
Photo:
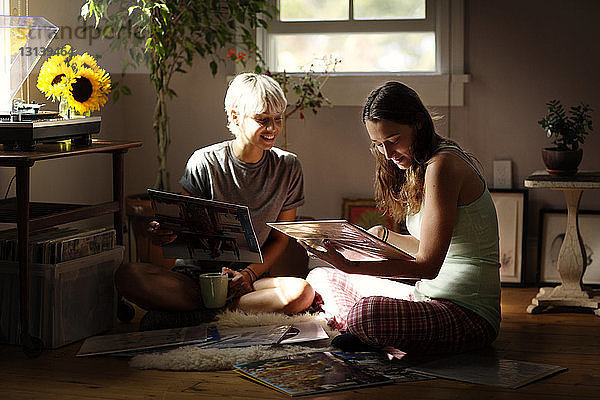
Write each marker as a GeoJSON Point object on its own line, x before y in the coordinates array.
{"type": "Point", "coordinates": [545, 51]}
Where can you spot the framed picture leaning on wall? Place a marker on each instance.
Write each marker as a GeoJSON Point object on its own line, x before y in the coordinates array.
{"type": "Point", "coordinates": [364, 213]}
{"type": "Point", "coordinates": [511, 209]}
{"type": "Point", "coordinates": [551, 234]}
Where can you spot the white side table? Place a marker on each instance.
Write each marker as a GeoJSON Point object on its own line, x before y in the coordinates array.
{"type": "Point", "coordinates": [570, 263]}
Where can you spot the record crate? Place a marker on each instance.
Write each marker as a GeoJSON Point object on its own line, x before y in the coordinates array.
{"type": "Point", "coordinates": [68, 301]}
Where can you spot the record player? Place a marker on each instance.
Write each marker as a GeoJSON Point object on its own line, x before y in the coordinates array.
{"type": "Point", "coordinates": [23, 125]}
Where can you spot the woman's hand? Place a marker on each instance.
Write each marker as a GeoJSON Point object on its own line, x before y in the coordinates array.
{"type": "Point", "coordinates": [332, 256]}
{"type": "Point", "coordinates": [241, 282]}
{"type": "Point", "coordinates": [160, 236]}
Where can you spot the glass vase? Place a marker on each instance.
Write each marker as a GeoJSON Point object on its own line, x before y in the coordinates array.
{"type": "Point", "coordinates": [63, 109]}
{"type": "Point", "coordinates": [67, 112]}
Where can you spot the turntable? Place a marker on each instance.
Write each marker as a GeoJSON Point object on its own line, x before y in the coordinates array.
{"type": "Point", "coordinates": [23, 125]}
{"type": "Point", "coordinates": [25, 134]}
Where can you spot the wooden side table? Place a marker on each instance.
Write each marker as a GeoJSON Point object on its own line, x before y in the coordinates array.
{"type": "Point", "coordinates": [571, 258]}
{"type": "Point", "coordinates": [31, 217]}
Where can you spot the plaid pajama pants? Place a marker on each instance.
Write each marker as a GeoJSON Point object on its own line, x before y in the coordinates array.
{"type": "Point", "coordinates": [382, 312]}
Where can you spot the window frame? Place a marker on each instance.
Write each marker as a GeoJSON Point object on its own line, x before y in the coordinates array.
{"type": "Point", "coordinates": [5, 39]}
{"type": "Point", "coordinates": [444, 87]}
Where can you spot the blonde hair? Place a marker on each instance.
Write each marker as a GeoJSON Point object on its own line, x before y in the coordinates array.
{"type": "Point", "coordinates": [250, 94]}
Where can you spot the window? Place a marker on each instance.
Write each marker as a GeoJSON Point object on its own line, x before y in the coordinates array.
{"type": "Point", "coordinates": [368, 35]}
{"type": "Point", "coordinates": [416, 41]}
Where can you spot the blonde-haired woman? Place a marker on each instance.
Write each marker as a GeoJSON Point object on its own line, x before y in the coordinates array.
{"type": "Point", "coordinates": [247, 170]}
{"type": "Point", "coordinates": [429, 180]}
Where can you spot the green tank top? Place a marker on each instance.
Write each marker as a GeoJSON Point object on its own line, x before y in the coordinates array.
{"type": "Point", "coordinates": [470, 274]}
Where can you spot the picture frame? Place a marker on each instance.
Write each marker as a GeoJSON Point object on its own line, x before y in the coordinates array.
{"type": "Point", "coordinates": [552, 226]}
{"type": "Point", "coordinates": [511, 211]}
{"type": "Point", "coordinates": [364, 213]}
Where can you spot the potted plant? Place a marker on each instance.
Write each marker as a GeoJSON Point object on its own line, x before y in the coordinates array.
{"type": "Point", "coordinates": [567, 132]}
{"type": "Point", "coordinates": [307, 88]}
{"type": "Point", "coordinates": [166, 35]}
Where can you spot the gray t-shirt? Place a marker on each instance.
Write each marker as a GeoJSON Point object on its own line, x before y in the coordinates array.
{"type": "Point", "coordinates": [272, 185]}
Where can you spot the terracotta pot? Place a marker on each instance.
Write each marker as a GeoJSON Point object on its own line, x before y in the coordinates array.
{"type": "Point", "coordinates": [561, 162]}
{"type": "Point", "coordinates": [139, 211]}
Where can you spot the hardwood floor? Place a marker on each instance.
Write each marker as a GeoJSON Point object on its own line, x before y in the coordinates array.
{"type": "Point", "coordinates": [570, 340]}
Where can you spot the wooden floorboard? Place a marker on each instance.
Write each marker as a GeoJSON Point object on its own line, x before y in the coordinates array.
{"type": "Point", "coordinates": [568, 339]}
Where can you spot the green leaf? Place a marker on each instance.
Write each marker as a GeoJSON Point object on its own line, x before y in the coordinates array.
{"type": "Point", "coordinates": [213, 68]}
{"type": "Point", "coordinates": [263, 23]}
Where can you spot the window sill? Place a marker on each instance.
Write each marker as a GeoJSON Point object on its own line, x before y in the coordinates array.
{"type": "Point", "coordinates": [435, 90]}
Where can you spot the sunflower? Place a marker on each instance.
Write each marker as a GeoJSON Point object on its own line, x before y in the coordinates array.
{"type": "Point", "coordinates": [53, 78]}
{"type": "Point", "coordinates": [87, 91]}
{"type": "Point", "coordinates": [55, 74]}
{"type": "Point", "coordinates": [84, 61]}
{"type": "Point", "coordinates": [76, 80]}
{"type": "Point", "coordinates": [104, 79]}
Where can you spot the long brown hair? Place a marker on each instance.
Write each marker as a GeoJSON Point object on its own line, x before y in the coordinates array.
{"type": "Point", "coordinates": [400, 192]}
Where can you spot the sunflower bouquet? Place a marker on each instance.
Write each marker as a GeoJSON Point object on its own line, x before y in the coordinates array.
{"type": "Point", "coordinates": [75, 80]}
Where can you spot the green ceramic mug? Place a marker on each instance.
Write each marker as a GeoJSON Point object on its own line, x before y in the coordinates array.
{"type": "Point", "coordinates": [213, 289]}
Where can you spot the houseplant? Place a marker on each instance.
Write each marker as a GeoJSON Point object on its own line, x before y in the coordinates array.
{"type": "Point", "coordinates": [307, 88]}
{"type": "Point", "coordinates": [166, 35]}
{"type": "Point", "coordinates": [567, 132]}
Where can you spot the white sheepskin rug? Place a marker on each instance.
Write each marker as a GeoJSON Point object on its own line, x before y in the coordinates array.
{"type": "Point", "coordinates": [191, 358]}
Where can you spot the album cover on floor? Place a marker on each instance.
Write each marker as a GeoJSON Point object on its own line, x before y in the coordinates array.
{"type": "Point", "coordinates": [320, 372]}
{"type": "Point", "coordinates": [487, 370]}
{"type": "Point", "coordinates": [248, 336]}
{"type": "Point", "coordinates": [129, 343]}
{"type": "Point", "coordinates": [304, 332]}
